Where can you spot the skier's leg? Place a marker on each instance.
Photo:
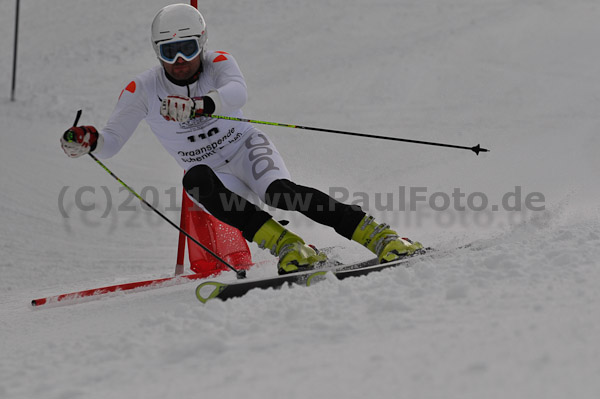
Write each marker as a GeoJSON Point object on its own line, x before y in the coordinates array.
{"type": "Point", "coordinates": [347, 220]}
{"type": "Point", "coordinates": [203, 185]}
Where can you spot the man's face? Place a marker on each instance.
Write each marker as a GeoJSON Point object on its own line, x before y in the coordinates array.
{"type": "Point", "coordinates": [182, 69]}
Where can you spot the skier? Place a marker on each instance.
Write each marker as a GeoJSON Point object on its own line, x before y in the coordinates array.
{"type": "Point", "coordinates": [227, 162]}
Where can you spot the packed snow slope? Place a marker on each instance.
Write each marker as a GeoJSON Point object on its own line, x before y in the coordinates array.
{"type": "Point", "coordinates": [516, 315]}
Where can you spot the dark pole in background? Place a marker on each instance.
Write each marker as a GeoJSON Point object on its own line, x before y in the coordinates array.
{"type": "Point", "coordinates": [14, 75]}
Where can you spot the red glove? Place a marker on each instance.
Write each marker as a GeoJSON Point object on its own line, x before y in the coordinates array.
{"type": "Point", "coordinates": [178, 108]}
{"type": "Point", "coordinates": [78, 141]}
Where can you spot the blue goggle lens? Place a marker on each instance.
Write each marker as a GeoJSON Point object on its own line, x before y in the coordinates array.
{"type": "Point", "coordinates": [187, 48]}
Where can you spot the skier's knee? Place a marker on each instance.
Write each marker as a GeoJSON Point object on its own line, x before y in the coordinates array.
{"type": "Point", "coordinates": [200, 181]}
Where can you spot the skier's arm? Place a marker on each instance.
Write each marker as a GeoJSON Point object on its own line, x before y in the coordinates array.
{"type": "Point", "coordinates": [231, 93]}
{"type": "Point", "coordinates": [131, 108]}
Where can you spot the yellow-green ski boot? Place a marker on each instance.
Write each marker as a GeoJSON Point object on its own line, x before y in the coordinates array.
{"type": "Point", "coordinates": [294, 255]}
{"type": "Point", "coordinates": [383, 241]}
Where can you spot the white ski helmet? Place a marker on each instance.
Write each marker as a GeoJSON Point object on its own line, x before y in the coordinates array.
{"type": "Point", "coordinates": [176, 22]}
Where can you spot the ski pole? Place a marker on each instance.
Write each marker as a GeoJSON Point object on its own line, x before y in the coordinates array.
{"type": "Point", "coordinates": [476, 149]}
{"type": "Point", "coordinates": [240, 273]}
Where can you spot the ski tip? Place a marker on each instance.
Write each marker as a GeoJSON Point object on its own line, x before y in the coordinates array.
{"type": "Point", "coordinates": [213, 290]}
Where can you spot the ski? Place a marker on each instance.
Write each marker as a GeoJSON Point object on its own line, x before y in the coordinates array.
{"type": "Point", "coordinates": [137, 286]}
{"type": "Point", "coordinates": [215, 289]}
{"type": "Point", "coordinates": [131, 287]}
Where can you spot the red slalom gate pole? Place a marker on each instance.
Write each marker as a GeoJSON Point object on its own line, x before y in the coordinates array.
{"type": "Point", "coordinates": [148, 284]}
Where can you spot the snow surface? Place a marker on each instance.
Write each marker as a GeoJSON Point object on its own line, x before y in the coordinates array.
{"type": "Point", "coordinates": [517, 315]}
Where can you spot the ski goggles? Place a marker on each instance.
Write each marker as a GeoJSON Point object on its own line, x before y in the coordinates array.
{"type": "Point", "coordinates": [187, 49]}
